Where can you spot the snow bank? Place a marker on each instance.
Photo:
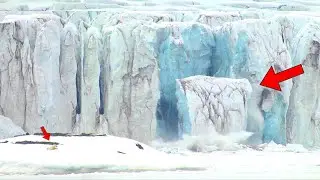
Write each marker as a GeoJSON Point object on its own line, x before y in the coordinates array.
{"type": "Point", "coordinates": [87, 154]}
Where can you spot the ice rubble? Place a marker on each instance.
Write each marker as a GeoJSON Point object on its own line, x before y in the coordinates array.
{"type": "Point", "coordinates": [126, 60]}
{"type": "Point", "coordinates": [208, 104]}
{"type": "Point", "coordinates": [8, 129]}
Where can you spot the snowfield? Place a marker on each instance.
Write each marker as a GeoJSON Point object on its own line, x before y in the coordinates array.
{"type": "Point", "coordinates": [109, 157]}
{"type": "Point", "coordinates": [87, 154]}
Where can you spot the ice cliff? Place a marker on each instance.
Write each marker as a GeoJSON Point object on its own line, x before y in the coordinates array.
{"type": "Point", "coordinates": [183, 50]}
{"type": "Point", "coordinates": [304, 109]}
{"type": "Point", "coordinates": [112, 67]}
{"type": "Point", "coordinates": [247, 49]}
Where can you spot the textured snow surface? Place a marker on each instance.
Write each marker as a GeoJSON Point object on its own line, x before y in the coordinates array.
{"type": "Point", "coordinates": [8, 129]}
{"type": "Point", "coordinates": [209, 104]}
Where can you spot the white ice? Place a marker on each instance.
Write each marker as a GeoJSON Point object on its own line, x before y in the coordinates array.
{"type": "Point", "coordinates": [213, 104]}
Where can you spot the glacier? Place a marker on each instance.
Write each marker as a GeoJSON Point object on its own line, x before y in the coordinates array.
{"type": "Point", "coordinates": [304, 114]}
{"type": "Point", "coordinates": [184, 50]}
{"type": "Point", "coordinates": [247, 49]}
{"type": "Point", "coordinates": [114, 67]}
{"type": "Point", "coordinates": [207, 104]}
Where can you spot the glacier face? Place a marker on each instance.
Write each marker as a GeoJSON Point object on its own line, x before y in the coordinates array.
{"type": "Point", "coordinates": [304, 109]}
{"type": "Point", "coordinates": [247, 49]}
{"type": "Point", "coordinates": [207, 104]}
{"type": "Point", "coordinates": [131, 88]}
{"type": "Point", "coordinates": [30, 71]}
{"type": "Point", "coordinates": [183, 50]}
{"type": "Point", "coordinates": [75, 68]}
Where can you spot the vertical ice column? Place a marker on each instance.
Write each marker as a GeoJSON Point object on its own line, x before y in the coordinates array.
{"type": "Point", "coordinates": [46, 58]}
{"type": "Point", "coordinates": [104, 82]}
{"type": "Point", "coordinates": [29, 78]}
{"type": "Point", "coordinates": [11, 79]}
{"type": "Point", "coordinates": [315, 120]}
{"type": "Point", "coordinates": [68, 71]}
{"type": "Point", "coordinates": [303, 125]}
{"type": "Point", "coordinates": [30, 121]}
{"type": "Point", "coordinates": [130, 81]}
{"type": "Point", "coordinates": [144, 86]}
{"type": "Point", "coordinates": [90, 93]}
{"type": "Point", "coordinates": [247, 49]}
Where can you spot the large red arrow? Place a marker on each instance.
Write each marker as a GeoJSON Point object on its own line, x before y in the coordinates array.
{"type": "Point", "coordinates": [272, 79]}
{"type": "Point", "coordinates": [46, 135]}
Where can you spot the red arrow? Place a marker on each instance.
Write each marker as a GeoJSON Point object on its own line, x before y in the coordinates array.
{"type": "Point", "coordinates": [272, 79]}
{"type": "Point", "coordinates": [46, 135]}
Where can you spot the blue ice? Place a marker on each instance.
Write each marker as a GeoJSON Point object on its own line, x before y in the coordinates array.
{"type": "Point", "coordinates": [192, 55]}
{"type": "Point", "coordinates": [236, 63]}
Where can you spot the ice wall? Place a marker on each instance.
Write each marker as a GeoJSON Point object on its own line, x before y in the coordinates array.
{"type": "Point", "coordinates": [69, 57]}
{"type": "Point", "coordinates": [114, 71]}
{"type": "Point", "coordinates": [208, 104]}
{"type": "Point", "coordinates": [303, 125]}
{"type": "Point", "coordinates": [217, 18]}
{"type": "Point", "coordinates": [131, 85]}
{"type": "Point", "coordinates": [63, 68]}
{"type": "Point", "coordinates": [30, 84]}
{"type": "Point", "coordinates": [130, 73]}
{"type": "Point", "coordinates": [90, 72]}
{"type": "Point", "coordinates": [183, 50]}
{"type": "Point", "coordinates": [247, 49]}
{"type": "Point", "coordinates": [290, 26]}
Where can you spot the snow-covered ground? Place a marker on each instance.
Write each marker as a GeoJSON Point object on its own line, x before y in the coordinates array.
{"type": "Point", "coordinates": [109, 157]}
{"type": "Point", "coordinates": [86, 154]}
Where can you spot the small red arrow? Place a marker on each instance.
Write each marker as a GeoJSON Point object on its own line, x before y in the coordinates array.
{"type": "Point", "coordinates": [46, 135]}
{"type": "Point", "coordinates": [272, 79]}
